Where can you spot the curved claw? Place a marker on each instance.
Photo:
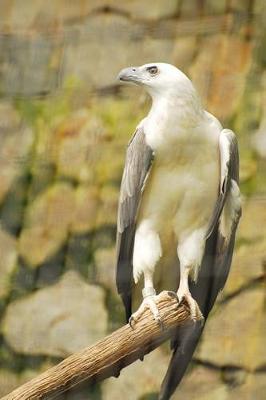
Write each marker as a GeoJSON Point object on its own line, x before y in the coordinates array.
{"type": "Point", "coordinates": [173, 295]}
{"type": "Point", "coordinates": [150, 303]}
{"type": "Point", "coordinates": [195, 311]}
{"type": "Point", "coordinates": [116, 374]}
{"type": "Point", "coordinates": [131, 322]}
{"type": "Point", "coordinates": [160, 323]}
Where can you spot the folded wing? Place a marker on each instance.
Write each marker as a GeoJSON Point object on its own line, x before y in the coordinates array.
{"type": "Point", "coordinates": [138, 162]}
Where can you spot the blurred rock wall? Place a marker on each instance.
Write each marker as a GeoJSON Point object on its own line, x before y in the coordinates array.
{"type": "Point", "coordinates": [64, 125]}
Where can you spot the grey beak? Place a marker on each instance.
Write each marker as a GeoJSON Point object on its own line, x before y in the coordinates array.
{"type": "Point", "coordinates": [130, 74]}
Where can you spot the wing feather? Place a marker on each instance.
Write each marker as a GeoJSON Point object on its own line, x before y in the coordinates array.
{"type": "Point", "coordinates": [229, 169]}
{"type": "Point", "coordinates": [138, 162]}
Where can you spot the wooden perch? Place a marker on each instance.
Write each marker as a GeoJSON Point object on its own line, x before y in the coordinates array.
{"type": "Point", "coordinates": [108, 356]}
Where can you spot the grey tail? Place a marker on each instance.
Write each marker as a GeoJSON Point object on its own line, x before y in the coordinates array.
{"type": "Point", "coordinates": [185, 346]}
{"type": "Point", "coordinates": [188, 337]}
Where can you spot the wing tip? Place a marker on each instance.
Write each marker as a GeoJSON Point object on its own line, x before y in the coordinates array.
{"type": "Point", "coordinates": [127, 301]}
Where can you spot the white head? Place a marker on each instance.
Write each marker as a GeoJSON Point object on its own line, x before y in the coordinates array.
{"type": "Point", "coordinates": [159, 79]}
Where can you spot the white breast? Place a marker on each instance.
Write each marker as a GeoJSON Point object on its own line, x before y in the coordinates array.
{"type": "Point", "coordinates": [182, 188]}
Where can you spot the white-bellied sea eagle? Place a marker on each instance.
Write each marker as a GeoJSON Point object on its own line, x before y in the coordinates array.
{"type": "Point", "coordinates": [179, 191]}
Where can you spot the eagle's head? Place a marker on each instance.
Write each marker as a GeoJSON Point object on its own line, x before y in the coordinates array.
{"type": "Point", "coordinates": [157, 78]}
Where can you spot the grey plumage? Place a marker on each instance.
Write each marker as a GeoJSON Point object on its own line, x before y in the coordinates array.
{"type": "Point", "coordinates": [137, 165]}
{"type": "Point", "coordinates": [233, 173]}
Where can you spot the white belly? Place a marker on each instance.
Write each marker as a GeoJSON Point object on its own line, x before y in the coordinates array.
{"type": "Point", "coordinates": [181, 192]}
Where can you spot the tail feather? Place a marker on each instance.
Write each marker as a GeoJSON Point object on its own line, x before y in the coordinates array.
{"type": "Point", "coordinates": [187, 341]}
{"type": "Point", "coordinates": [187, 338]}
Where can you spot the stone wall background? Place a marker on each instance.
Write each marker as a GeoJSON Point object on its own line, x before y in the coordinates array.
{"type": "Point", "coordinates": [64, 124]}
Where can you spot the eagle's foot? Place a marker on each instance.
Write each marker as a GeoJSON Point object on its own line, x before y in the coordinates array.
{"type": "Point", "coordinates": [195, 311]}
{"type": "Point", "coordinates": [149, 301]}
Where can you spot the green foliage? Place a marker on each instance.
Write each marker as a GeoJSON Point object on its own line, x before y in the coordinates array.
{"type": "Point", "coordinates": [120, 116]}
{"type": "Point", "coordinates": [48, 108]}
{"type": "Point", "coordinates": [16, 362]}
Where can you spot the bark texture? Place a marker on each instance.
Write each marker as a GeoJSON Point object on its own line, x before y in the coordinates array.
{"type": "Point", "coordinates": [108, 356]}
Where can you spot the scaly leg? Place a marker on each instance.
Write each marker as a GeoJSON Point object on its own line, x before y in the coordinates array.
{"type": "Point", "coordinates": [149, 301]}
{"type": "Point", "coordinates": [190, 252]}
{"type": "Point", "coordinates": [147, 252]}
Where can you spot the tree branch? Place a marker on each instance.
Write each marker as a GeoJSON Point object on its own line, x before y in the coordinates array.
{"type": "Point", "coordinates": [108, 356]}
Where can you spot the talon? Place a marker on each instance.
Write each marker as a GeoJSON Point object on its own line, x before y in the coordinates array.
{"type": "Point", "coordinates": [131, 322]}
{"type": "Point", "coordinates": [195, 311]}
{"type": "Point", "coordinates": [182, 300]}
{"type": "Point", "coordinates": [148, 302]}
{"type": "Point", "coordinates": [160, 323]}
{"type": "Point", "coordinates": [173, 295]}
{"type": "Point", "coordinates": [117, 374]}
{"type": "Point", "coordinates": [177, 306]}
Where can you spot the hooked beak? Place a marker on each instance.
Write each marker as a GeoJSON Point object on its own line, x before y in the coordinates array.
{"type": "Point", "coordinates": [131, 74]}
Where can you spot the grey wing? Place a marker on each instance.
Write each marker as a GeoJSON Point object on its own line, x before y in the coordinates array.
{"type": "Point", "coordinates": [224, 228]}
{"type": "Point", "coordinates": [137, 165]}
{"type": "Point", "coordinates": [216, 261]}
{"type": "Point", "coordinates": [229, 169]}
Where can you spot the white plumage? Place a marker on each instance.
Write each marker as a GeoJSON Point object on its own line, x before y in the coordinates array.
{"type": "Point", "coordinates": [181, 190]}
{"type": "Point", "coordinates": [181, 182]}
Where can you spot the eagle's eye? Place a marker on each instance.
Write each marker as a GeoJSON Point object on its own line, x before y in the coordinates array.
{"type": "Point", "coordinates": [152, 70]}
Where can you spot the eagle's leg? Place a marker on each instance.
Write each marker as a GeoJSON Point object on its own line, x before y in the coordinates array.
{"type": "Point", "coordinates": [149, 301]}
{"type": "Point", "coordinates": [190, 253]}
{"type": "Point", "coordinates": [184, 293]}
{"type": "Point", "coordinates": [147, 252]}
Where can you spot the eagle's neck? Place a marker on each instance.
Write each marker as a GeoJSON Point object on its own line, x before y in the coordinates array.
{"type": "Point", "coordinates": [183, 109]}
{"type": "Point", "coordinates": [171, 119]}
